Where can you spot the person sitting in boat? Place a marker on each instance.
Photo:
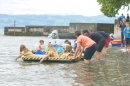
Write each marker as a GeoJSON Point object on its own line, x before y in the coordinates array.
{"type": "Point", "coordinates": [75, 44]}
{"type": "Point", "coordinates": [69, 43]}
{"type": "Point", "coordinates": [53, 42]}
{"type": "Point", "coordinates": [66, 41]}
{"type": "Point", "coordinates": [67, 53]}
{"type": "Point", "coordinates": [51, 52]}
{"type": "Point", "coordinates": [65, 44]}
{"type": "Point", "coordinates": [41, 49]}
{"type": "Point", "coordinates": [25, 52]}
{"type": "Point", "coordinates": [60, 48]}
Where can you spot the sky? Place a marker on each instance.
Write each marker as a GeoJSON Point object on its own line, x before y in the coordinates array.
{"type": "Point", "coordinates": [58, 7]}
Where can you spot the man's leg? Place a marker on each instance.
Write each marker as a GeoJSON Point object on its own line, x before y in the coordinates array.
{"type": "Point", "coordinates": [104, 52]}
{"type": "Point", "coordinates": [88, 53]}
{"type": "Point", "coordinates": [86, 61]}
{"type": "Point", "coordinates": [97, 55]}
{"type": "Point", "coordinates": [100, 46]}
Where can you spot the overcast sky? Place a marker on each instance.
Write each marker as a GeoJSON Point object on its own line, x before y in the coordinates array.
{"type": "Point", "coordinates": [60, 7]}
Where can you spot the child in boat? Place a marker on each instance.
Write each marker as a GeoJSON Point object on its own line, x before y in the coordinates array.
{"type": "Point", "coordinates": [60, 48]}
{"type": "Point", "coordinates": [25, 52]}
{"type": "Point", "coordinates": [75, 44]}
{"type": "Point", "coordinates": [41, 49]}
{"type": "Point", "coordinates": [54, 44]}
{"type": "Point", "coordinates": [69, 43]}
{"type": "Point", "coordinates": [51, 52]}
{"type": "Point", "coordinates": [67, 53]}
{"type": "Point", "coordinates": [65, 44]}
{"type": "Point", "coordinates": [66, 41]}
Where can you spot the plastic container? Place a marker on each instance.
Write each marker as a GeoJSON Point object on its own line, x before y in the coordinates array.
{"type": "Point", "coordinates": [116, 45]}
{"type": "Point", "coordinates": [116, 42]}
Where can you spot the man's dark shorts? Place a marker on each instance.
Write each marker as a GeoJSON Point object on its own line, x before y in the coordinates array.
{"type": "Point", "coordinates": [88, 53]}
{"type": "Point", "coordinates": [100, 45]}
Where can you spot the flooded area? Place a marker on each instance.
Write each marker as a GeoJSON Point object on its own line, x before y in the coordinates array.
{"type": "Point", "coordinates": [111, 71]}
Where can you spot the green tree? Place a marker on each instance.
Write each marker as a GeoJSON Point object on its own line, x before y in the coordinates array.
{"type": "Point", "coordinates": [111, 7]}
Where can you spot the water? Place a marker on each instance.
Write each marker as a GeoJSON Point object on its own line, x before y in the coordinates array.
{"type": "Point", "coordinates": [112, 71]}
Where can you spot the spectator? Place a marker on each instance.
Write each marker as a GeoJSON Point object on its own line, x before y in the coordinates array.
{"type": "Point", "coordinates": [127, 36]}
{"type": "Point", "coordinates": [122, 26]}
{"type": "Point", "coordinates": [122, 16]}
{"type": "Point", "coordinates": [128, 18]}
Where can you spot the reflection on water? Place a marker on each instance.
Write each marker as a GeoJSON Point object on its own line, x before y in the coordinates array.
{"type": "Point", "coordinates": [112, 71]}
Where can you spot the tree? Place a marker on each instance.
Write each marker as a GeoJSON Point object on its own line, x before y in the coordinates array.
{"type": "Point", "coordinates": [111, 7]}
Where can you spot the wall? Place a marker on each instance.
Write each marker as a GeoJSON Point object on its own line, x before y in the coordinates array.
{"type": "Point", "coordinates": [108, 28]}
{"type": "Point", "coordinates": [117, 30]}
{"type": "Point", "coordinates": [17, 31]}
{"type": "Point", "coordinates": [45, 30]}
{"type": "Point", "coordinates": [66, 31]}
{"type": "Point", "coordinates": [82, 26]}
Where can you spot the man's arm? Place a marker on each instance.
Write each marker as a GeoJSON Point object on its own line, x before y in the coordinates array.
{"type": "Point", "coordinates": [77, 49]}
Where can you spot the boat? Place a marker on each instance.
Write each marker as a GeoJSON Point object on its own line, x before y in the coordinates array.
{"type": "Point", "coordinates": [116, 43]}
{"type": "Point", "coordinates": [51, 59]}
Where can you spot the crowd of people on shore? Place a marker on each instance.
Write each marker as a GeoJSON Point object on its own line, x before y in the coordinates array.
{"type": "Point", "coordinates": [123, 17]}
{"type": "Point", "coordinates": [87, 43]}
{"type": "Point", "coordinates": [125, 31]}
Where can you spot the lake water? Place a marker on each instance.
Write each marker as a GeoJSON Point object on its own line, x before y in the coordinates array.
{"type": "Point", "coordinates": [112, 71]}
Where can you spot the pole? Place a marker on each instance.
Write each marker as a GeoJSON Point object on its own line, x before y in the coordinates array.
{"type": "Point", "coordinates": [14, 27]}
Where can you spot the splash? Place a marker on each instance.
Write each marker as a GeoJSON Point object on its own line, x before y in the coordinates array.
{"type": "Point", "coordinates": [53, 35]}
